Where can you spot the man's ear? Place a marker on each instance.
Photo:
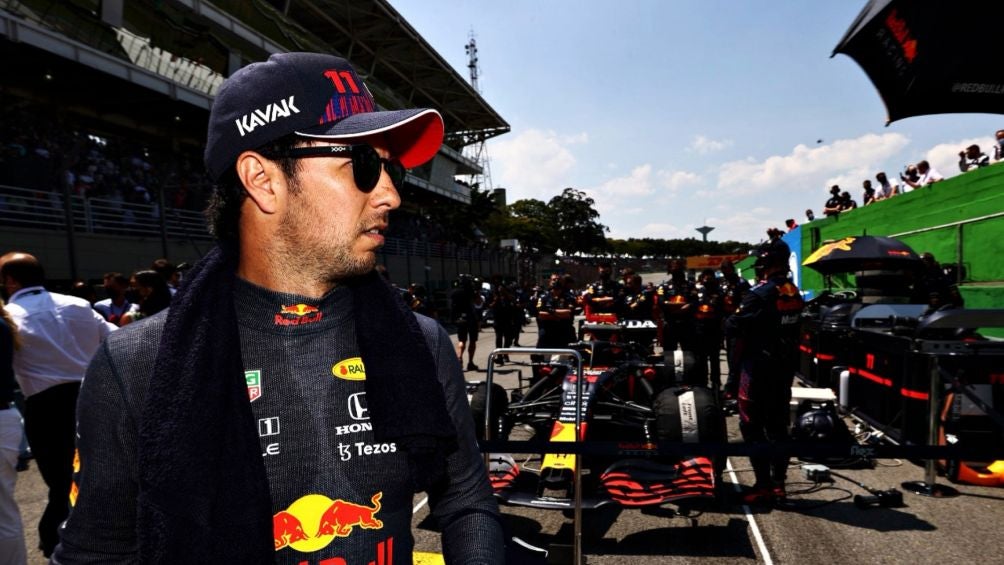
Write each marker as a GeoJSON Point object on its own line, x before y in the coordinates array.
{"type": "Point", "coordinates": [263, 181]}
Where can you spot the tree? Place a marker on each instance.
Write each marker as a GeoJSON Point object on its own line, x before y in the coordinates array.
{"type": "Point", "coordinates": [531, 223]}
{"type": "Point", "coordinates": [576, 221]}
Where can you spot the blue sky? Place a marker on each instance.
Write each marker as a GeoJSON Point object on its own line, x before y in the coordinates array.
{"type": "Point", "coordinates": [671, 114]}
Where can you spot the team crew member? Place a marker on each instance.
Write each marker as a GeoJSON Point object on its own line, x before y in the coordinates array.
{"type": "Point", "coordinates": [708, 331]}
{"type": "Point", "coordinates": [466, 304]}
{"type": "Point", "coordinates": [766, 329]}
{"type": "Point", "coordinates": [674, 300]}
{"type": "Point", "coordinates": [288, 406]}
{"type": "Point", "coordinates": [602, 296]}
{"type": "Point", "coordinates": [637, 302]}
{"type": "Point", "coordinates": [734, 289]}
{"type": "Point", "coordinates": [555, 311]}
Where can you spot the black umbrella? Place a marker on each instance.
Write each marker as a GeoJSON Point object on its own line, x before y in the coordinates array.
{"type": "Point", "coordinates": [930, 56]}
{"type": "Point", "coordinates": [863, 253]}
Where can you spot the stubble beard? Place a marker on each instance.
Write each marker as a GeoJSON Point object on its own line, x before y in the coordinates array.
{"type": "Point", "coordinates": [326, 257]}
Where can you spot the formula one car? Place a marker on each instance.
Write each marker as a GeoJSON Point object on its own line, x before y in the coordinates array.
{"type": "Point", "coordinates": [628, 399]}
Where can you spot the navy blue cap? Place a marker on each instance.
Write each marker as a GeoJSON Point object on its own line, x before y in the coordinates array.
{"type": "Point", "coordinates": [313, 95]}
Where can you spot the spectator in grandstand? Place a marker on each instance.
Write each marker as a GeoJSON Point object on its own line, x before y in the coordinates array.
{"type": "Point", "coordinates": [151, 294]}
{"type": "Point", "coordinates": [886, 188]}
{"type": "Point", "coordinates": [925, 175]}
{"type": "Point", "coordinates": [116, 305]}
{"type": "Point", "coordinates": [59, 334]}
{"type": "Point", "coordinates": [999, 145]}
{"type": "Point", "coordinates": [289, 294]}
{"type": "Point", "coordinates": [846, 202]}
{"type": "Point", "coordinates": [972, 158]}
{"type": "Point", "coordinates": [868, 197]}
{"type": "Point", "coordinates": [834, 205]}
{"type": "Point", "coordinates": [791, 224]}
{"type": "Point", "coordinates": [12, 549]}
{"type": "Point", "coordinates": [909, 177]}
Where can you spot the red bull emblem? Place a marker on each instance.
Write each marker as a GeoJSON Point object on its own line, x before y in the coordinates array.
{"type": "Point", "coordinates": [297, 315]}
{"type": "Point", "coordinates": [824, 251]}
{"type": "Point", "coordinates": [901, 32]}
{"type": "Point", "coordinates": [327, 519]}
{"type": "Point", "coordinates": [287, 529]}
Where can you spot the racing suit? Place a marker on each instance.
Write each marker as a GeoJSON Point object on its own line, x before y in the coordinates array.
{"type": "Point", "coordinates": [766, 328]}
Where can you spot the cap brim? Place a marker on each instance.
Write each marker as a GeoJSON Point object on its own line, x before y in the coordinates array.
{"type": "Point", "coordinates": [414, 136]}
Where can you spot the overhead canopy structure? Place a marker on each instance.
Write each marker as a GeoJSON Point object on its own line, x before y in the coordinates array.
{"type": "Point", "coordinates": [189, 47]}
{"type": "Point", "coordinates": [930, 57]}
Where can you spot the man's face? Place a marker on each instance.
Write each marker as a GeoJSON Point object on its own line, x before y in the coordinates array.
{"type": "Point", "coordinates": [922, 168]}
{"type": "Point", "coordinates": [972, 152]}
{"type": "Point", "coordinates": [604, 272]}
{"type": "Point", "coordinates": [331, 229]}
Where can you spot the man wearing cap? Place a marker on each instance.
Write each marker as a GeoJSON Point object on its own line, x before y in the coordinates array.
{"type": "Point", "coordinates": [292, 396]}
{"type": "Point", "coordinates": [835, 204]}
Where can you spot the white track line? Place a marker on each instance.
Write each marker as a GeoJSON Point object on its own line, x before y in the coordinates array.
{"type": "Point", "coordinates": [749, 518]}
{"type": "Point", "coordinates": [425, 499]}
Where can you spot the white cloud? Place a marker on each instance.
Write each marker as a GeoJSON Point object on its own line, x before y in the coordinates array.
{"type": "Point", "coordinates": [637, 183]}
{"type": "Point", "coordinates": [808, 166]}
{"type": "Point", "coordinates": [674, 180]}
{"type": "Point", "coordinates": [705, 145]}
{"type": "Point", "coordinates": [535, 163]}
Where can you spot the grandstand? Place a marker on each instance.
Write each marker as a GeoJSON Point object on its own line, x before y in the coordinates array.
{"type": "Point", "coordinates": [105, 104]}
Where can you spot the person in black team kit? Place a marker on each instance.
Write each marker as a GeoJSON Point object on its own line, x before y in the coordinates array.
{"type": "Point", "coordinates": [555, 311]}
{"type": "Point", "coordinates": [675, 302]}
{"type": "Point", "coordinates": [766, 329]}
{"type": "Point", "coordinates": [604, 295]}
{"type": "Point", "coordinates": [734, 289]}
{"type": "Point", "coordinates": [465, 306]}
{"type": "Point", "coordinates": [708, 331]}
{"type": "Point", "coordinates": [289, 405]}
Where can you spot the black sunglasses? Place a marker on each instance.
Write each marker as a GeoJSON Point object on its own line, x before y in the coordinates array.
{"type": "Point", "coordinates": [366, 163]}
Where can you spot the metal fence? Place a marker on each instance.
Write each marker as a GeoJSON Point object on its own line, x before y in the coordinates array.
{"type": "Point", "coordinates": [40, 209]}
{"type": "Point", "coordinates": [47, 210]}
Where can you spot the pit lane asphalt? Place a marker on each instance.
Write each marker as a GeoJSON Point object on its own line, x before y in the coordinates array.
{"type": "Point", "coordinates": [965, 529]}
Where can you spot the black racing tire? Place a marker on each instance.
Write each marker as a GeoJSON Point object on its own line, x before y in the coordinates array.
{"type": "Point", "coordinates": [498, 404]}
{"type": "Point", "coordinates": [710, 420]}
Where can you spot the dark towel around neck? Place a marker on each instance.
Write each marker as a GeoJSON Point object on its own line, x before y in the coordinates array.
{"type": "Point", "coordinates": [204, 494]}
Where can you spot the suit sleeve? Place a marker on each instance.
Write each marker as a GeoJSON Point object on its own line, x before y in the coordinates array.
{"type": "Point", "coordinates": [101, 526]}
{"type": "Point", "coordinates": [465, 508]}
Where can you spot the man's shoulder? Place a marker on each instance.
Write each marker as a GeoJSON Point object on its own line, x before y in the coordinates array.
{"type": "Point", "coordinates": [142, 336]}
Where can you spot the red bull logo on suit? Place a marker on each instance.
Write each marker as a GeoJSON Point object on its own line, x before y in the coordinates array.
{"type": "Point", "coordinates": [313, 521]}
